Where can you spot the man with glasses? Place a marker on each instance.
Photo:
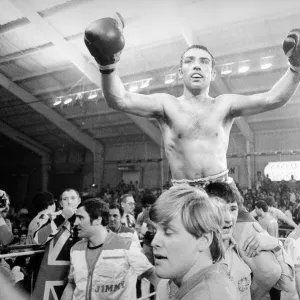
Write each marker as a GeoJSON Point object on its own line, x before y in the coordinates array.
{"type": "Point", "coordinates": [128, 205]}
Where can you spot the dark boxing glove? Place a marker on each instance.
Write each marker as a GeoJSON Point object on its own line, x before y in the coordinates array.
{"type": "Point", "coordinates": [291, 48]}
{"type": "Point", "coordinates": [105, 41]}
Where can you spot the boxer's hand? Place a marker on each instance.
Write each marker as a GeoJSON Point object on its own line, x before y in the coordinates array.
{"type": "Point", "coordinates": [68, 212]}
{"type": "Point", "coordinates": [259, 242]}
{"type": "Point", "coordinates": [291, 48]}
{"type": "Point", "coordinates": [105, 41]}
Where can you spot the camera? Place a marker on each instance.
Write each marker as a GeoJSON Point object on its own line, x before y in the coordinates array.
{"type": "Point", "coordinates": [3, 201]}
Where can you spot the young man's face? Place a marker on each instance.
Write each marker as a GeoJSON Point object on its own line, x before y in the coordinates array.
{"type": "Point", "coordinates": [175, 250]}
{"type": "Point", "coordinates": [70, 198]}
{"type": "Point", "coordinates": [114, 219]}
{"type": "Point", "coordinates": [83, 222]}
{"type": "Point", "coordinates": [128, 205]}
{"type": "Point", "coordinates": [196, 69]}
{"type": "Point", "coordinates": [258, 211]}
{"type": "Point", "coordinates": [230, 218]}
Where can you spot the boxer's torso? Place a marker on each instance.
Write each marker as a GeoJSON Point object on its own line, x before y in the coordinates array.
{"type": "Point", "coordinates": [196, 136]}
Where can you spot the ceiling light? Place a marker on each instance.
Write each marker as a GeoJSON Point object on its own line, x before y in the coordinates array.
{"type": "Point", "coordinates": [78, 96]}
{"type": "Point", "coordinates": [145, 83]}
{"type": "Point", "coordinates": [93, 95]}
{"type": "Point", "coordinates": [170, 78]}
{"type": "Point", "coordinates": [243, 67]}
{"type": "Point", "coordinates": [133, 88]}
{"type": "Point", "coordinates": [266, 63]}
{"type": "Point", "coordinates": [57, 101]}
{"type": "Point", "coordinates": [227, 69]}
{"type": "Point", "coordinates": [68, 100]}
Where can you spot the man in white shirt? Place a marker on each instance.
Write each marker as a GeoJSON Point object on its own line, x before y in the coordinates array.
{"type": "Point", "coordinates": [128, 205]}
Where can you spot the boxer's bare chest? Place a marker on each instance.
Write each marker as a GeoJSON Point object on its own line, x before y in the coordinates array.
{"type": "Point", "coordinates": [192, 120]}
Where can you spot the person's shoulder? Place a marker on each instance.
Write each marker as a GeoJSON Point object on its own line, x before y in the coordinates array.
{"type": "Point", "coordinates": [80, 245]}
{"type": "Point", "coordinates": [164, 97]}
{"type": "Point", "coordinates": [117, 241]}
{"type": "Point", "coordinates": [215, 285]}
{"type": "Point", "coordinates": [125, 229]}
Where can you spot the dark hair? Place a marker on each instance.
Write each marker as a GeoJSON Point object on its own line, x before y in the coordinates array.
{"type": "Point", "coordinates": [117, 206]}
{"type": "Point", "coordinates": [262, 204]}
{"type": "Point", "coordinates": [96, 208]}
{"type": "Point", "coordinates": [224, 191]}
{"type": "Point", "coordinates": [42, 201]}
{"type": "Point", "coordinates": [269, 201]}
{"type": "Point", "coordinates": [148, 199]}
{"type": "Point", "coordinates": [197, 46]}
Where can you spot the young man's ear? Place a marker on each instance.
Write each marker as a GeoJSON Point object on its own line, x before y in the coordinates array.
{"type": "Point", "coordinates": [180, 73]}
{"type": "Point", "coordinates": [97, 221]}
{"type": "Point", "coordinates": [213, 74]}
{"type": "Point", "coordinates": [205, 241]}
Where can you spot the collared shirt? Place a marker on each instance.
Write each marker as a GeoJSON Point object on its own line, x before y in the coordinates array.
{"type": "Point", "coordinates": [211, 283]}
{"type": "Point", "coordinates": [239, 272]}
{"type": "Point", "coordinates": [130, 223]}
{"type": "Point", "coordinates": [115, 272]}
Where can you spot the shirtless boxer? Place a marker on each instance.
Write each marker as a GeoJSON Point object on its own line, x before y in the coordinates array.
{"type": "Point", "coordinates": [195, 127]}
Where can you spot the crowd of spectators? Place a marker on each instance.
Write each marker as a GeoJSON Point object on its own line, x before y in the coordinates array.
{"type": "Point", "coordinates": [284, 195]}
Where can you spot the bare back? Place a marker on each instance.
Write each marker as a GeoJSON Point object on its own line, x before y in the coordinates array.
{"type": "Point", "coordinates": [196, 136]}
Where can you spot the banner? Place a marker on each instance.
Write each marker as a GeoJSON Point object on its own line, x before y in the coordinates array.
{"type": "Point", "coordinates": [282, 170]}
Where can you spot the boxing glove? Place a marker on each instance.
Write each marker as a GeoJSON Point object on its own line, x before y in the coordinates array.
{"type": "Point", "coordinates": [105, 41]}
{"type": "Point", "coordinates": [291, 48]}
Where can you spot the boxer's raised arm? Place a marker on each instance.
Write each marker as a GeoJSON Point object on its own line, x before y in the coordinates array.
{"type": "Point", "coordinates": [281, 92]}
{"type": "Point", "coordinates": [138, 104]}
{"type": "Point", "coordinates": [105, 41]}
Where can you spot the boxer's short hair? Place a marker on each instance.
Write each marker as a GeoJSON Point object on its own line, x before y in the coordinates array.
{"type": "Point", "coordinates": [197, 46]}
{"type": "Point", "coordinates": [199, 214]}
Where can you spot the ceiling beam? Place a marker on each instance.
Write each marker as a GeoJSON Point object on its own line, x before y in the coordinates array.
{"type": "Point", "coordinates": [24, 140]}
{"type": "Point", "coordinates": [111, 124]}
{"type": "Point", "coordinates": [43, 72]}
{"type": "Point", "coordinates": [49, 113]}
{"type": "Point", "coordinates": [71, 53]}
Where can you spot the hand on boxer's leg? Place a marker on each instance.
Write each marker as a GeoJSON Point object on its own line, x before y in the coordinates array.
{"type": "Point", "coordinates": [291, 48]}
{"type": "Point", "coordinates": [105, 41]}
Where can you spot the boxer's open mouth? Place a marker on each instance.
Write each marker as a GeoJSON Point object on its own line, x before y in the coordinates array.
{"type": "Point", "coordinates": [196, 75]}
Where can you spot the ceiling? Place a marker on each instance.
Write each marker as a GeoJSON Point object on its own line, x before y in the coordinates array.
{"type": "Point", "coordinates": [43, 56]}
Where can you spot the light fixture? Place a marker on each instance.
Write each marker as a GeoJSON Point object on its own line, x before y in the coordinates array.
{"type": "Point", "coordinates": [93, 95]}
{"type": "Point", "coordinates": [265, 62]}
{"type": "Point", "coordinates": [243, 67]}
{"type": "Point", "coordinates": [227, 69]}
{"type": "Point", "coordinates": [68, 100]}
{"type": "Point", "coordinates": [145, 83]}
{"type": "Point", "coordinates": [133, 88]}
{"type": "Point", "coordinates": [170, 78]}
{"type": "Point", "coordinates": [57, 101]}
{"type": "Point", "coordinates": [78, 96]}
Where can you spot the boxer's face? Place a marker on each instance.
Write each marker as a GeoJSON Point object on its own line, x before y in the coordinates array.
{"type": "Point", "coordinates": [196, 69]}
{"type": "Point", "coordinates": [175, 250]}
{"type": "Point", "coordinates": [230, 217]}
